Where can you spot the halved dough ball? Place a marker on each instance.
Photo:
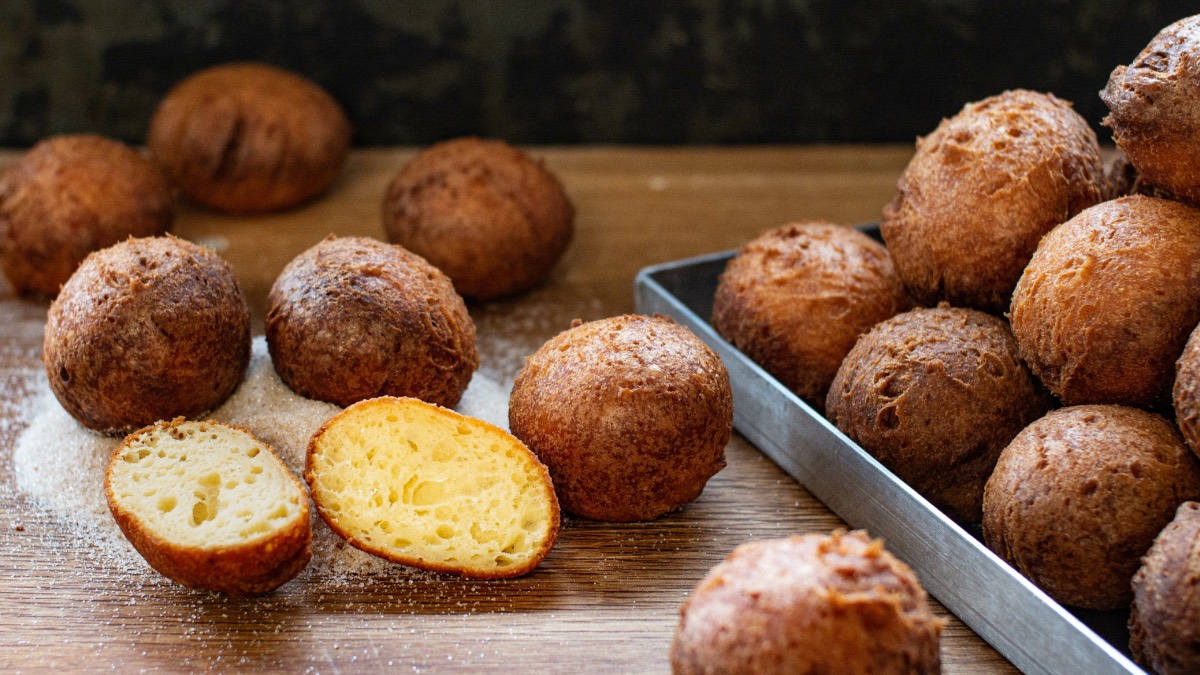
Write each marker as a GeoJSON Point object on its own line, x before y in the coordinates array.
{"type": "Point", "coordinates": [425, 486]}
{"type": "Point", "coordinates": [210, 506]}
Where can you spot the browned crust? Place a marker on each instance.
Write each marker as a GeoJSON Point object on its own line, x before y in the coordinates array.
{"type": "Point", "coordinates": [796, 298]}
{"type": "Point", "coordinates": [249, 138]}
{"type": "Point", "coordinates": [1154, 116]}
{"type": "Point", "coordinates": [310, 476]}
{"type": "Point", "coordinates": [1164, 620]}
{"type": "Point", "coordinates": [1078, 497]}
{"type": "Point", "coordinates": [1107, 303]}
{"type": "Point", "coordinates": [808, 604]}
{"type": "Point", "coordinates": [146, 330]}
{"type": "Point", "coordinates": [1186, 392]}
{"type": "Point", "coordinates": [935, 395]}
{"type": "Point", "coordinates": [481, 211]}
{"type": "Point", "coordinates": [353, 318]}
{"type": "Point", "coordinates": [252, 568]}
{"type": "Point", "coordinates": [631, 414]}
{"type": "Point", "coordinates": [69, 196]}
{"type": "Point", "coordinates": [981, 191]}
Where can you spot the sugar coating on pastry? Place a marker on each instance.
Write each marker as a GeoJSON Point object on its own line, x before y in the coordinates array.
{"type": "Point", "coordinates": [835, 603]}
{"type": "Point", "coordinates": [1164, 619]}
{"type": "Point", "coordinates": [630, 413]}
{"type": "Point", "coordinates": [935, 395]}
{"type": "Point", "coordinates": [146, 330]}
{"type": "Point", "coordinates": [1107, 303]}
{"type": "Point", "coordinates": [249, 137]}
{"type": "Point", "coordinates": [69, 196]}
{"type": "Point", "coordinates": [1078, 497]}
{"type": "Point", "coordinates": [353, 318]}
{"type": "Point", "coordinates": [494, 220]}
{"type": "Point", "coordinates": [1154, 106]}
{"type": "Point", "coordinates": [982, 189]}
{"type": "Point", "coordinates": [425, 486]}
{"type": "Point", "coordinates": [209, 505]}
{"type": "Point", "coordinates": [796, 298]}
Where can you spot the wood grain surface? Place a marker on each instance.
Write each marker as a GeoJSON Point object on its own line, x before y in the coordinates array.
{"type": "Point", "coordinates": [607, 597]}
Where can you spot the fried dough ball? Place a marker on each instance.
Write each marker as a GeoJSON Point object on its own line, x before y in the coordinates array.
{"type": "Point", "coordinates": [808, 604]}
{"type": "Point", "coordinates": [1108, 300]}
{"type": "Point", "coordinates": [796, 299]}
{"type": "Point", "coordinates": [1155, 110]}
{"type": "Point", "coordinates": [483, 212]}
{"type": "Point", "coordinates": [935, 395]}
{"type": "Point", "coordinates": [146, 330]}
{"type": "Point", "coordinates": [1186, 392]}
{"type": "Point", "coordinates": [1164, 620]}
{"type": "Point", "coordinates": [1078, 497]}
{"type": "Point", "coordinates": [981, 191]}
{"type": "Point", "coordinates": [249, 138]}
{"type": "Point", "coordinates": [354, 318]}
{"type": "Point", "coordinates": [631, 414]}
{"type": "Point", "coordinates": [69, 196]}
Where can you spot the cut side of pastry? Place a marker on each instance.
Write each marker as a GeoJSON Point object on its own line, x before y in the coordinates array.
{"type": "Point", "coordinates": [425, 486]}
{"type": "Point", "coordinates": [209, 505]}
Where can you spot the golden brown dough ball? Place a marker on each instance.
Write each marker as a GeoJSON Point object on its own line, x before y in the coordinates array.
{"type": "Point", "coordinates": [796, 299]}
{"type": "Point", "coordinates": [249, 138]}
{"type": "Point", "coordinates": [935, 395]}
{"type": "Point", "coordinates": [808, 604]}
{"type": "Point", "coordinates": [981, 191]}
{"type": "Point", "coordinates": [1155, 110]}
{"type": "Point", "coordinates": [1164, 620]}
{"type": "Point", "coordinates": [69, 196]}
{"type": "Point", "coordinates": [353, 318]}
{"type": "Point", "coordinates": [1079, 495]}
{"type": "Point", "coordinates": [631, 414]}
{"type": "Point", "coordinates": [481, 211]}
{"type": "Point", "coordinates": [1186, 392]}
{"type": "Point", "coordinates": [1108, 300]}
{"type": "Point", "coordinates": [146, 330]}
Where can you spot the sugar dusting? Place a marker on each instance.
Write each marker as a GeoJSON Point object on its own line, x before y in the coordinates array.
{"type": "Point", "coordinates": [60, 464]}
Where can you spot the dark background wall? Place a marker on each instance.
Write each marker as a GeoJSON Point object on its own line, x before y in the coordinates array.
{"type": "Point", "coordinates": [574, 71]}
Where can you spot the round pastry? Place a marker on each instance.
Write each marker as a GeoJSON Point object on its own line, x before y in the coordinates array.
{"type": "Point", "coordinates": [796, 299]}
{"type": "Point", "coordinates": [1186, 393]}
{"type": "Point", "coordinates": [146, 330]}
{"type": "Point", "coordinates": [353, 318]}
{"type": "Point", "coordinates": [69, 196]}
{"type": "Point", "coordinates": [935, 395]}
{"type": "Point", "coordinates": [981, 191]}
{"type": "Point", "coordinates": [481, 211]}
{"type": "Point", "coordinates": [249, 138]}
{"type": "Point", "coordinates": [1108, 300]}
{"type": "Point", "coordinates": [1155, 110]}
{"type": "Point", "coordinates": [1164, 620]}
{"type": "Point", "coordinates": [631, 415]}
{"type": "Point", "coordinates": [1078, 497]}
{"type": "Point", "coordinates": [808, 604]}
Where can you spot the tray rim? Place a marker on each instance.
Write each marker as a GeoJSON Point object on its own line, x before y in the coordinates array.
{"type": "Point", "coordinates": [1042, 616]}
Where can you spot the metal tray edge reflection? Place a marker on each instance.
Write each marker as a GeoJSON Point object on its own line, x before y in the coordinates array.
{"type": "Point", "coordinates": [1024, 624]}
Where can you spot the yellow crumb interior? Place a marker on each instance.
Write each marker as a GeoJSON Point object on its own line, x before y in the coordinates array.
{"type": "Point", "coordinates": [205, 485]}
{"type": "Point", "coordinates": [414, 482]}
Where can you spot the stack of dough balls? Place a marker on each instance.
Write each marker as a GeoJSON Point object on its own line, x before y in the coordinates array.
{"type": "Point", "coordinates": [935, 395]}
{"type": "Point", "coordinates": [353, 318]}
{"type": "Point", "coordinates": [797, 298]}
{"type": "Point", "coordinates": [249, 138]}
{"type": "Point", "coordinates": [69, 196]}
{"type": "Point", "coordinates": [1164, 622]}
{"type": "Point", "coordinates": [981, 191]}
{"type": "Point", "coordinates": [1154, 113]}
{"type": "Point", "coordinates": [808, 604]}
{"type": "Point", "coordinates": [146, 330]}
{"type": "Point", "coordinates": [481, 211]}
{"type": "Point", "coordinates": [631, 414]}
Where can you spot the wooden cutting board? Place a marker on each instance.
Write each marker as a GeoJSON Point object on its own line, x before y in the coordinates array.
{"type": "Point", "coordinates": [607, 597]}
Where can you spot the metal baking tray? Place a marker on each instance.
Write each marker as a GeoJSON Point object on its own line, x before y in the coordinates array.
{"type": "Point", "coordinates": [1024, 624]}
